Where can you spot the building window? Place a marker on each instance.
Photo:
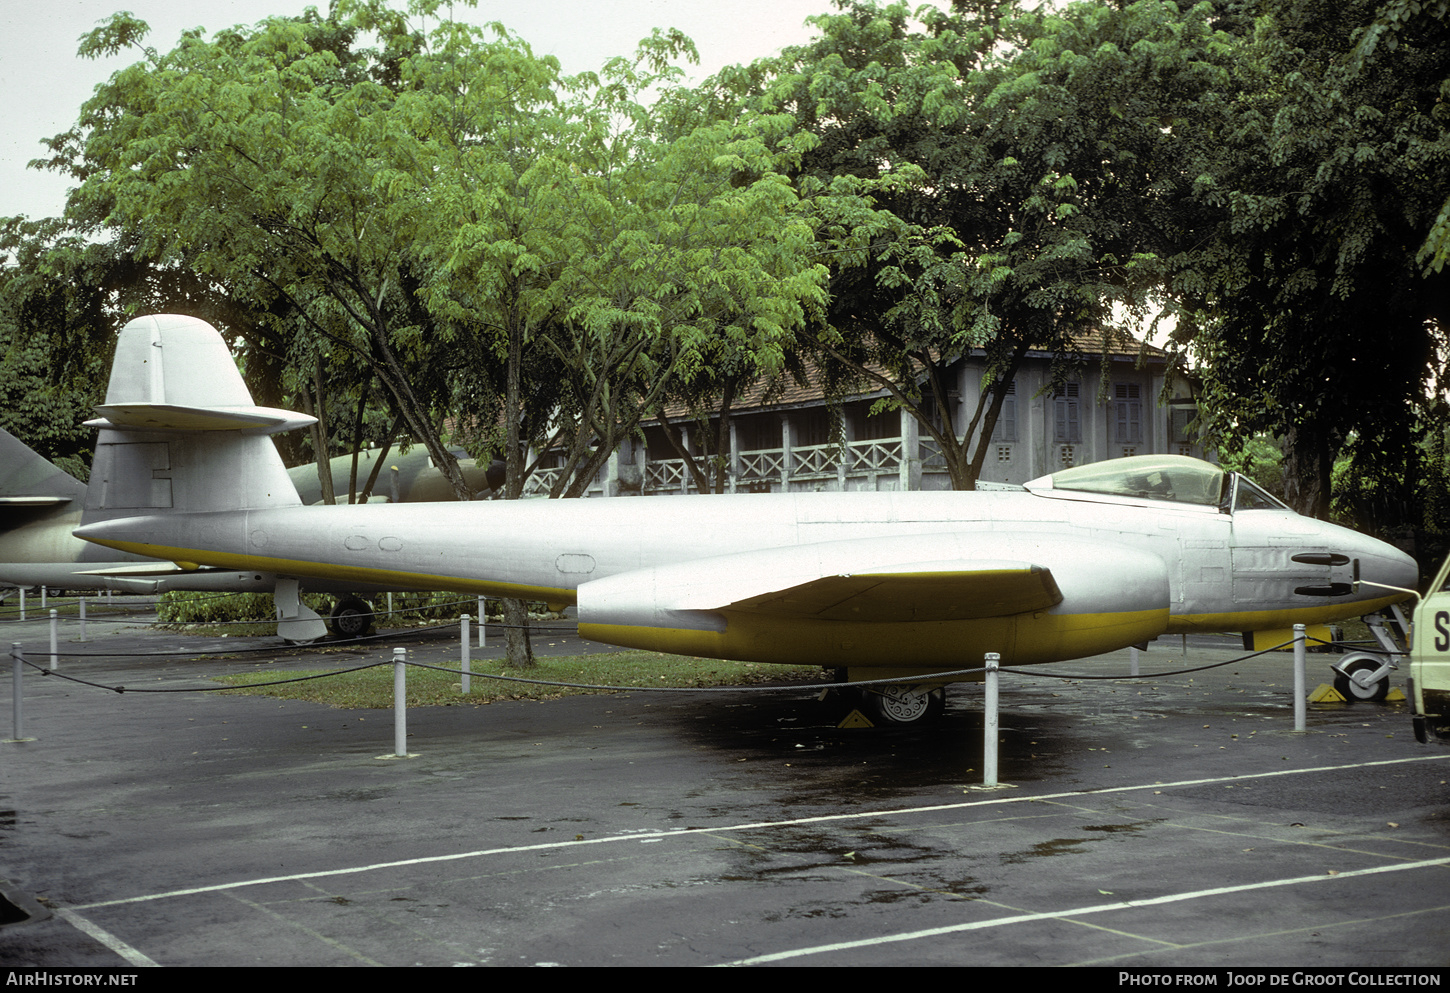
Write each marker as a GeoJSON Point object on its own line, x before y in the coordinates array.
{"type": "Point", "coordinates": [813, 426]}
{"type": "Point", "coordinates": [868, 427]}
{"type": "Point", "coordinates": [758, 432]}
{"type": "Point", "coordinates": [1128, 410]}
{"type": "Point", "coordinates": [1067, 421]}
{"type": "Point", "coordinates": [1005, 429]}
{"type": "Point", "coordinates": [1179, 417]}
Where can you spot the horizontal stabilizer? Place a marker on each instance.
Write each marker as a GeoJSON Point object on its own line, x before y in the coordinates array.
{"type": "Point", "coordinates": [33, 501]}
{"type": "Point", "coordinates": [173, 417]}
{"type": "Point", "coordinates": [157, 568]}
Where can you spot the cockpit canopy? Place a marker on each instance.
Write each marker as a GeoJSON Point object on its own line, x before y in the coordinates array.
{"type": "Point", "coordinates": [1170, 478]}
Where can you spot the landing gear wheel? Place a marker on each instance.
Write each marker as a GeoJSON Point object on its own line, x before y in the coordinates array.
{"type": "Point", "coordinates": [1352, 689]}
{"type": "Point", "coordinates": [351, 618]}
{"type": "Point", "coordinates": [907, 704]}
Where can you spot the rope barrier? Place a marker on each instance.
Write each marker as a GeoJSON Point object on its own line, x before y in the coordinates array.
{"type": "Point", "coordinates": [932, 677]}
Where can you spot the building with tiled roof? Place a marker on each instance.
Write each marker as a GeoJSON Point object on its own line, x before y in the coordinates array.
{"type": "Point", "coordinates": [1123, 399]}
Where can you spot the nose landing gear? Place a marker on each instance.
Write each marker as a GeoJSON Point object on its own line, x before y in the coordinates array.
{"type": "Point", "coordinates": [1363, 676]}
{"type": "Point", "coordinates": [1366, 675]}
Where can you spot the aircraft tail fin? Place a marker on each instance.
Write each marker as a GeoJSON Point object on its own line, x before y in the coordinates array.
{"type": "Point", "coordinates": [179, 432]}
{"type": "Point", "coordinates": [30, 486]}
{"type": "Point", "coordinates": [27, 477]}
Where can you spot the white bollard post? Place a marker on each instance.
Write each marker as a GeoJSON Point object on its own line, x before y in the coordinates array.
{"type": "Point", "coordinates": [17, 659]}
{"type": "Point", "coordinates": [400, 702]}
{"type": "Point", "coordinates": [1133, 661]}
{"type": "Point", "coordinates": [390, 608]}
{"type": "Point", "coordinates": [42, 598]}
{"type": "Point", "coordinates": [1300, 703]}
{"type": "Point", "coordinates": [22, 603]}
{"type": "Point", "coordinates": [480, 622]}
{"type": "Point", "coordinates": [83, 616]}
{"type": "Point", "coordinates": [463, 639]}
{"type": "Point", "coordinates": [54, 637]}
{"type": "Point", "coordinates": [989, 723]}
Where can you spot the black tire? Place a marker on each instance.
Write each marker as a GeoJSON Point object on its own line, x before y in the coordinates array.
{"type": "Point", "coordinates": [1353, 691]}
{"type": "Point", "coordinates": [906, 705]}
{"type": "Point", "coordinates": [352, 618]}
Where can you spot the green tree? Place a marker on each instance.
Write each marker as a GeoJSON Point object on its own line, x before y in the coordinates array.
{"type": "Point", "coordinates": [1318, 323]}
{"type": "Point", "coordinates": [568, 224]}
{"type": "Point", "coordinates": [534, 257]}
{"type": "Point", "coordinates": [254, 160]}
{"type": "Point", "coordinates": [1033, 172]}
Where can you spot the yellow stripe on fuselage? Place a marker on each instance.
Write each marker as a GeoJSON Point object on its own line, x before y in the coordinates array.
{"type": "Point", "coordinates": [1020, 639]}
{"type": "Point", "coordinates": [1261, 620]}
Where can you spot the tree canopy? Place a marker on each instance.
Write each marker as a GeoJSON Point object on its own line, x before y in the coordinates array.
{"type": "Point", "coordinates": [529, 256]}
{"type": "Point", "coordinates": [1032, 171]}
{"type": "Point", "coordinates": [1318, 320]}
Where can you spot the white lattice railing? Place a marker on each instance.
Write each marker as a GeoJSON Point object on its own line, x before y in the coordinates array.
{"type": "Point", "coordinates": [771, 464]}
{"type": "Point", "coordinates": [665, 474]}
{"type": "Point", "coordinates": [541, 482]}
{"type": "Point", "coordinates": [669, 475]}
{"type": "Point", "coordinates": [764, 464]}
{"type": "Point", "coordinates": [814, 460]}
{"type": "Point", "coordinates": [931, 456]}
{"type": "Point", "coordinates": [876, 456]}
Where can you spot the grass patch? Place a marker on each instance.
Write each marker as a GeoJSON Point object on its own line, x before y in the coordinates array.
{"type": "Point", "coordinates": [373, 688]}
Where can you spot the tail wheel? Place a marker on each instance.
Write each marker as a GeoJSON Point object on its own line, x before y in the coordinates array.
{"type": "Point", "coordinates": [352, 618]}
{"type": "Point", "coordinates": [1351, 686]}
{"type": "Point", "coordinates": [908, 704]}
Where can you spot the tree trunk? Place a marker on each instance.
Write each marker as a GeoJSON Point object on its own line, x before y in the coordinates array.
{"type": "Point", "coordinates": [1307, 464]}
{"type": "Point", "coordinates": [318, 431]}
{"type": "Point", "coordinates": [357, 429]}
{"type": "Point", "coordinates": [519, 652]}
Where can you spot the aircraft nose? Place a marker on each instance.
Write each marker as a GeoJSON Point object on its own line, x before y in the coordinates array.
{"type": "Point", "coordinates": [1381, 562]}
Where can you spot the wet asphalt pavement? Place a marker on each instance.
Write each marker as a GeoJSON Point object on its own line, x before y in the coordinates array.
{"type": "Point", "coordinates": [1171, 821]}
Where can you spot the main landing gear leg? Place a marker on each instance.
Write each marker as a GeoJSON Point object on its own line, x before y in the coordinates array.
{"type": "Point", "coordinates": [297, 623]}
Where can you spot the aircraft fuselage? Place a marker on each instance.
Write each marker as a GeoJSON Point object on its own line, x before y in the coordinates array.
{"type": "Point", "coordinates": [1128, 570]}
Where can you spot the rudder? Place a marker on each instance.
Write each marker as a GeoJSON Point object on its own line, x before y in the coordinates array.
{"type": "Point", "coordinates": [179, 431]}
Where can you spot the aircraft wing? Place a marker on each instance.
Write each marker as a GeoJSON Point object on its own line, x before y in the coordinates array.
{"type": "Point", "coordinates": [936, 591]}
{"type": "Point", "coordinates": [936, 598]}
{"type": "Point", "coordinates": [955, 576]}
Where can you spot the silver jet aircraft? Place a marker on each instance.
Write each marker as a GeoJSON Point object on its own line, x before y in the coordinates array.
{"type": "Point", "coordinates": [1084, 561]}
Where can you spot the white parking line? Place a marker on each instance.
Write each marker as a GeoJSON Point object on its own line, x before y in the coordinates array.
{"type": "Point", "coordinates": [106, 938]}
{"type": "Point", "coordinates": [755, 826]}
{"type": "Point", "coordinates": [1099, 908]}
